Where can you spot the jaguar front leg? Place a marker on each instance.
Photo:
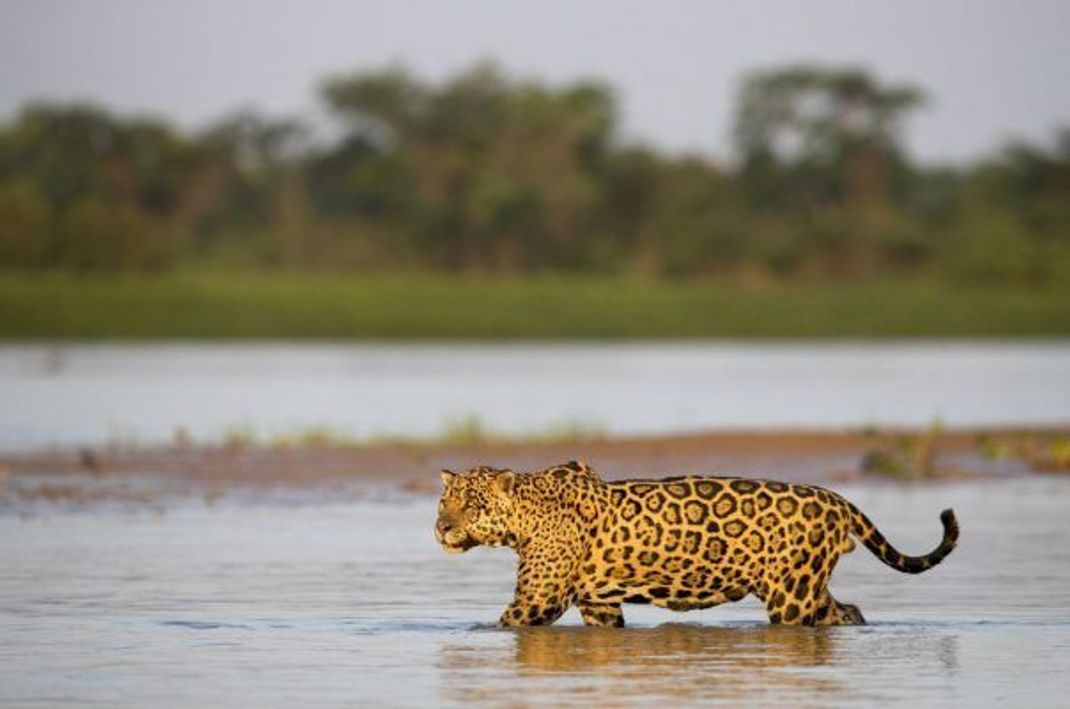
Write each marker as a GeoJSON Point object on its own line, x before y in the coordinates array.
{"type": "Point", "coordinates": [529, 612]}
{"type": "Point", "coordinates": [544, 589]}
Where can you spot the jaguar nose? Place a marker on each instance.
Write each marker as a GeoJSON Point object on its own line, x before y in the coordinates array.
{"type": "Point", "coordinates": [443, 527]}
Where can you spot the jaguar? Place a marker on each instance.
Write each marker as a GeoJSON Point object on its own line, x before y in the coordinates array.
{"type": "Point", "coordinates": [681, 543]}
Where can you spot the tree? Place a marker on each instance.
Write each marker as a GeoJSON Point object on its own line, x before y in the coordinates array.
{"type": "Point", "coordinates": [24, 225]}
{"type": "Point", "coordinates": [810, 134]}
{"type": "Point", "coordinates": [498, 173]}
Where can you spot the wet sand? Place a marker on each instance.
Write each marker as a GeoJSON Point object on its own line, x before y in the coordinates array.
{"type": "Point", "coordinates": [154, 475]}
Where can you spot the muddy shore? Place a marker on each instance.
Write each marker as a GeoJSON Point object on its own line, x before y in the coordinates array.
{"type": "Point", "coordinates": [155, 475]}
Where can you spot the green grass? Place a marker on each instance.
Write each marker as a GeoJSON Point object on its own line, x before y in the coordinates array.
{"type": "Point", "coordinates": [466, 430]}
{"type": "Point", "coordinates": [411, 306]}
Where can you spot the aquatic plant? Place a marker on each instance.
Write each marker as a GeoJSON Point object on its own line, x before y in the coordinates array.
{"type": "Point", "coordinates": [911, 456]}
{"type": "Point", "coordinates": [1042, 452]}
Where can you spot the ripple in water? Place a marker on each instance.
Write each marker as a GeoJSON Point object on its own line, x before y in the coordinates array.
{"type": "Point", "coordinates": [244, 604]}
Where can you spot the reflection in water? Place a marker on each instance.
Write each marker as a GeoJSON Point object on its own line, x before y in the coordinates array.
{"type": "Point", "coordinates": [652, 650]}
{"type": "Point", "coordinates": [689, 663]}
{"type": "Point", "coordinates": [686, 661]}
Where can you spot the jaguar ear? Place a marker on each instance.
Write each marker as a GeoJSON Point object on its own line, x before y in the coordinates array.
{"type": "Point", "coordinates": [505, 481]}
{"type": "Point", "coordinates": [447, 477]}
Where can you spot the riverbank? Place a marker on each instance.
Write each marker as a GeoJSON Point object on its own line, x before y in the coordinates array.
{"type": "Point", "coordinates": [408, 306]}
{"type": "Point", "coordinates": [155, 476]}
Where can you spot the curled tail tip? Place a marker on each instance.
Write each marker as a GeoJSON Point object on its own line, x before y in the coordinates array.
{"type": "Point", "coordinates": [884, 551]}
{"type": "Point", "coordinates": [951, 524]}
{"type": "Point", "coordinates": [951, 537]}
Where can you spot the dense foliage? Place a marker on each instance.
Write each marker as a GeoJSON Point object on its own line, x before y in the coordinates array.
{"type": "Point", "coordinates": [488, 173]}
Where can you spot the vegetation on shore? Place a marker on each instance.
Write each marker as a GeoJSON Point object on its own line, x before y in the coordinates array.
{"type": "Point", "coordinates": [464, 430]}
{"type": "Point", "coordinates": [491, 173]}
{"type": "Point", "coordinates": [425, 306]}
{"type": "Point", "coordinates": [915, 455]}
{"type": "Point", "coordinates": [487, 206]}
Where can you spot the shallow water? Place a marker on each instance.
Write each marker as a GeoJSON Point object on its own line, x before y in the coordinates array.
{"type": "Point", "coordinates": [91, 394]}
{"type": "Point", "coordinates": [240, 604]}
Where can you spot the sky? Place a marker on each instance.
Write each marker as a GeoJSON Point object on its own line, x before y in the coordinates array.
{"type": "Point", "coordinates": [994, 69]}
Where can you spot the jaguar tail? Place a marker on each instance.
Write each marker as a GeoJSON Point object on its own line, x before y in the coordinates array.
{"type": "Point", "coordinates": [869, 535]}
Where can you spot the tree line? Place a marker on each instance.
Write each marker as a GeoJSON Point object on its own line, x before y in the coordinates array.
{"type": "Point", "coordinates": [488, 173]}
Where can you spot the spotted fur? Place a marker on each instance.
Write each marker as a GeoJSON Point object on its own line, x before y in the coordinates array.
{"type": "Point", "coordinates": [678, 543]}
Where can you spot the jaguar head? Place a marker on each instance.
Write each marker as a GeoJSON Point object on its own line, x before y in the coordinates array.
{"type": "Point", "coordinates": [475, 509]}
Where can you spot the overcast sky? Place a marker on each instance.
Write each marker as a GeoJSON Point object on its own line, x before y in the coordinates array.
{"type": "Point", "coordinates": [995, 69]}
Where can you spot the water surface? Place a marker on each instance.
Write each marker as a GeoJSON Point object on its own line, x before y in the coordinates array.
{"type": "Point", "coordinates": [90, 394]}
{"type": "Point", "coordinates": [316, 603]}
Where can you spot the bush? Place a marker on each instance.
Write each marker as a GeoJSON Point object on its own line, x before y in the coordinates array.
{"type": "Point", "coordinates": [994, 247]}
{"type": "Point", "coordinates": [98, 236]}
{"type": "Point", "coordinates": [24, 226]}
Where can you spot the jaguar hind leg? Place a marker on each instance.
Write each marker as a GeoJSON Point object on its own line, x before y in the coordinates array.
{"type": "Point", "coordinates": [849, 614]}
{"type": "Point", "coordinates": [816, 609]}
{"type": "Point", "coordinates": [601, 614]}
{"type": "Point", "coordinates": [832, 612]}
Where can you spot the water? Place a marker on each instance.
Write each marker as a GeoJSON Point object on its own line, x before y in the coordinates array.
{"type": "Point", "coordinates": [273, 604]}
{"type": "Point", "coordinates": [89, 394]}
